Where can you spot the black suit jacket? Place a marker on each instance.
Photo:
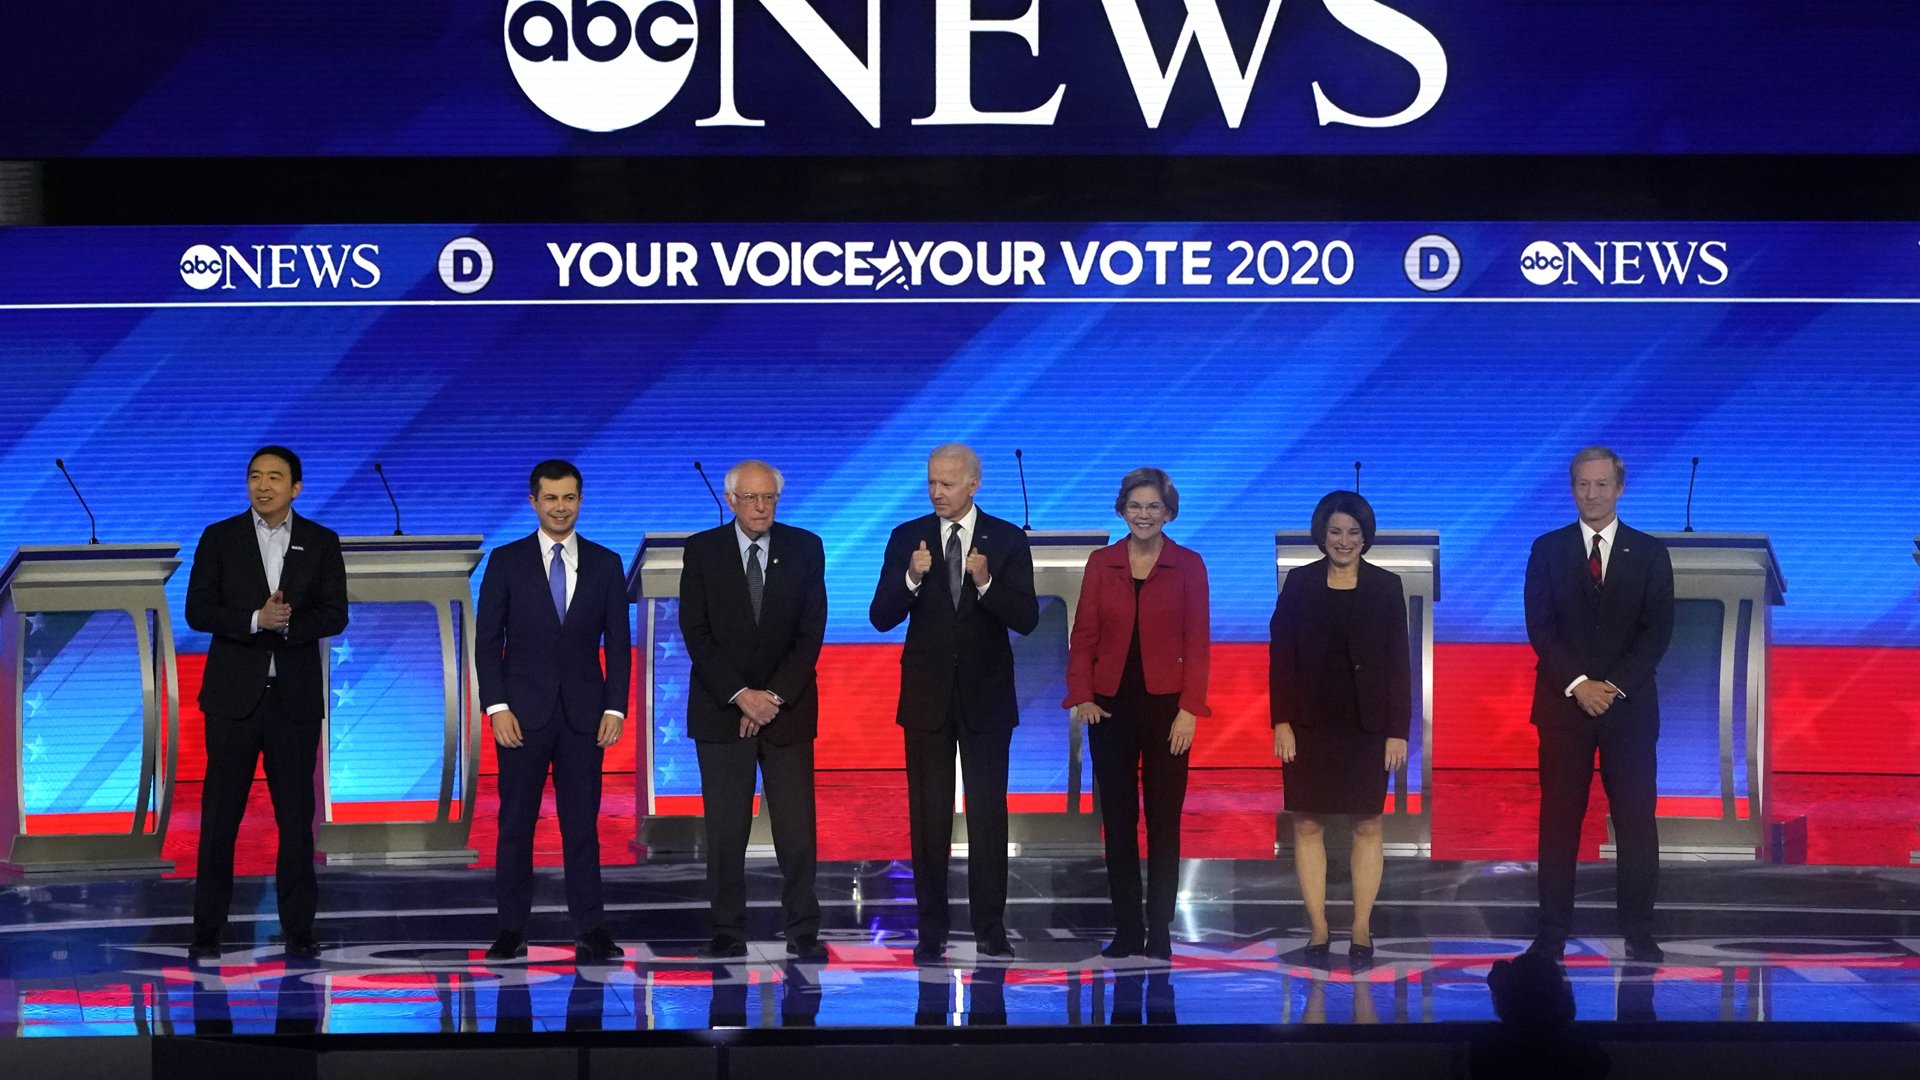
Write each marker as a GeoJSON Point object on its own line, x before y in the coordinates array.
{"type": "Point", "coordinates": [229, 583]}
{"type": "Point", "coordinates": [530, 661]}
{"type": "Point", "coordinates": [1618, 636]}
{"type": "Point", "coordinates": [730, 652]}
{"type": "Point", "coordinates": [1304, 667]}
{"type": "Point", "coordinates": [968, 648]}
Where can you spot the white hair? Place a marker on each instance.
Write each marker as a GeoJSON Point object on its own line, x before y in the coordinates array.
{"type": "Point", "coordinates": [732, 481]}
{"type": "Point", "coordinates": [960, 452]}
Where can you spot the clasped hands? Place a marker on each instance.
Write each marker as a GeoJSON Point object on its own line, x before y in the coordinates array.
{"type": "Point", "coordinates": [757, 709]}
{"type": "Point", "coordinates": [1596, 696]}
{"type": "Point", "coordinates": [921, 563]}
{"type": "Point", "coordinates": [275, 614]}
{"type": "Point", "coordinates": [1179, 740]}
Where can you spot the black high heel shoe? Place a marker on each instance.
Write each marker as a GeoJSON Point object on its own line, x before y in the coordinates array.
{"type": "Point", "coordinates": [1317, 953]}
{"type": "Point", "coordinates": [1359, 955]}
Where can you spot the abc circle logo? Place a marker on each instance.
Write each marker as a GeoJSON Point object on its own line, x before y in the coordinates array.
{"type": "Point", "coordinates": [1432, 263]}
{"type": "Point", "coordinates": [201, 267]}
{"type": "Point", "coordinates": [601, 65]}
{"type": "Point", "coordinates": [1542, 262]}
{"type": "Point", "coordinates": [465, 265]}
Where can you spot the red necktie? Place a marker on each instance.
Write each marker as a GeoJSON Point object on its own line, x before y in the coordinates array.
{"type": "Point", "coordinates": [1594, 569]}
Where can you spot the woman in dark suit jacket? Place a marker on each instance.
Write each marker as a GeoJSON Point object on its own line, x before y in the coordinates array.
{"type": "Point", "coordinates": [1137, 677]}
{"type": "Point", "coordinates": [1341, 706]}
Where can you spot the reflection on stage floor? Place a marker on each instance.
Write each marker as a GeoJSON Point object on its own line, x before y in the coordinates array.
{"type": "Point", "coordinates": [404, 953]}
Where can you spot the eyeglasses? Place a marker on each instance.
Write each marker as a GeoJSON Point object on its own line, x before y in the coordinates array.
{"type": "Point", "coordinates": [1147, 508]}
{"type": "Point", "coordinates": [755, 498]}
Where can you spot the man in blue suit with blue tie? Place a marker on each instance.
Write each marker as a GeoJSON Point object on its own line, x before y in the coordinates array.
{"type": "Point", "coordinates": [549, 604]}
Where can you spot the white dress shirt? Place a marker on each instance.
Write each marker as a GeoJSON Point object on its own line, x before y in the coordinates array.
{"type": "Point", "coordinates": [1606, 535]}
{"type": "Point", "coordinates": [274, 541]}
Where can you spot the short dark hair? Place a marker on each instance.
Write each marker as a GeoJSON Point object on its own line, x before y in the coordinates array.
{"type": "Point", "coordinates": [1343, 502]}
{"type": "Point", "coordinates": [292, 459]}
{"type": "Point", "coordinates": [1531, 991]}
{"type": "Point", "coordinates": [553, 469]}
{"type": "Point", "coordinates": [1158, 480]}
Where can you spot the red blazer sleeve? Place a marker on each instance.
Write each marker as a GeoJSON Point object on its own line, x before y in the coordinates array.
{"type": "Point", "coordinates": [1199, 640]}
{"type": "Point", "coordinates": [1084, 642]}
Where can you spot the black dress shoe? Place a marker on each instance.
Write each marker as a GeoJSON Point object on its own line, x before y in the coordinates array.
{"type": "Point", "coordinates": [596, 946]}
{"type": "Point", "coordinates": [726, 947]}
{"type": "Point", "coordinates": [510, 945]}
{"type": "Point", "coordinates": [930, 952]}
{"type": "Point", "coordinates": [1553, 948]}
{"type": "Point", "coordinates": [1123, 946]}
{"type": "Point", "coordinates": [302, 947]}
{"type": "Point", "coordinates": [806, 947]}
{"type": "Point", "coordinates": [996, 947]}
{"type": "Point", "coordinates": [203, 949]}
{"type": "Point", "coordinates": [1159, 944]}
{"type": "Point", "coordinates": [1642, 949]}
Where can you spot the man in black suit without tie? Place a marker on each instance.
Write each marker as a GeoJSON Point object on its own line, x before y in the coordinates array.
{"type": "Point", "coordinates": [962, 578]}
{"type": "Point", "coordinates": [753, 611]}
{"type": "Point", "coordinates": [1599, 604]}
{"type": "Point", "coordinates": [267, 585]}
{"type": "Point", "coordinates": [550, 604]}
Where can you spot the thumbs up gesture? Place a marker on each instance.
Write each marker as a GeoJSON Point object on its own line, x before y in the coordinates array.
{"type": "Point", "coordinates": [921, 562]}
{"type": "Point", "coordinates": [977, 568]}
{"type": "Point", "coordinates": [276, 612]}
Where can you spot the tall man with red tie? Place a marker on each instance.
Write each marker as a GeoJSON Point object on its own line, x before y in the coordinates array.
{"type": "Point", "coordinates": [550, 604]}
{"type": "Point", "coordinates": [1599, 606]}
{"type": "Point", "coordinates": [961, 578]}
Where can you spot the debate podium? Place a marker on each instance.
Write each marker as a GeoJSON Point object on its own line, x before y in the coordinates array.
{"type": "Point", "coordinates": [89, 711]}
{"type": "Point", "coordinates": [1715, 771]}
{"type": "Point", "coordinates": [1406, 823]}
{"type": "Point", "coordinates": [1914, 857]}
{"type": "Point", "coordinates": [400, 743]}
{"type": "Point", "coordinates": [1051, 810]}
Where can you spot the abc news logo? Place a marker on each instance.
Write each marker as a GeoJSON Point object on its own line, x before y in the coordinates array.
{"type": "Point", "coordinates": [465, 266]}
{"type": "Point", "coordinates": [280, 266]}
{"type": "Point", "coordinates": [1626, 262]}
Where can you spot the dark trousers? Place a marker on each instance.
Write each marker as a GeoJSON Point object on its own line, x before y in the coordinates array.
{"type": "Point", "coordinates": [234, 748]}
{"type": "Point", "coordinates": [726, 787]}
{"type": "Point", "coordinates": [983, 768]}
{"type": "Point", "coordinates": [575, 760]}
{"type": "Point", "coordinates": [1131, 760]}
{"type": "Point", "coordinates": [1628, 773]}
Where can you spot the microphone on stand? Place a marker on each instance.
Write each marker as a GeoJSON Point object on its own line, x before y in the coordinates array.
{"type": "Point", "coordinates": [1026, 507]}
{"type": "Point", "coordinates": [1356, 478]}
{"type": "Point", "coordinates": [717, 505]}
{"type": "Point", "coordinates": [1695, 471]}
{"type": "Point", "coordinates": [93, 531]}
{"type": "Point", "coordinates": [382, 473]}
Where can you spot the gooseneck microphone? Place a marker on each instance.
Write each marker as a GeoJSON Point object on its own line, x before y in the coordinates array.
{"type": "Point", "coordinates": [93, 530]}
{"type": "Point", "coordinates": [717, 504]}
{"type": "Point", "coordinates": [1026, 508]}
{"type": "Point", "coordinates": [382, 473]}
{"type": "Point", "coordinates": [1356, 478]}
{"type": "Point", "coordinates": [1695, 471]}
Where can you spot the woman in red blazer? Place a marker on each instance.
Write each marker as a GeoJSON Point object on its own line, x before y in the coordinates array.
{"type": "Point", "coordinates": [1137, 677]}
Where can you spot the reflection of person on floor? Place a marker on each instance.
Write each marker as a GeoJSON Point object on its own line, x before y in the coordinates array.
{"type": "Point", "coordinates": [1342, 706]}
{"type": "Point", "coordinates": [1536, 1036]}
{"type": "Point", "coordinates": [800, 994]}
{"type": "Point", "coordinates": [1137, 677]}
{"type": "Point", "coordinates": [987, 996]}
{"type": "Point", "coordinates": [934, 1006]}
{"type": "Point", "coordinates": [1144, 995]}
{"type": "Point", "coordinates": [729, 1005]}
{"type": "Point", "coordinates": [1315, 1010]}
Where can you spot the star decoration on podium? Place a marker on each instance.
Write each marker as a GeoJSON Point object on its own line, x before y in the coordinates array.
{"type": "Point", "coordinates": [33, 705]}
{"type": "Point", "coordinates": [343, 697]}
{"type": "Point", "coordinates": [35, 662]}
{"type": "Point", "coordinates": [34, 621]}
{"type": "Point", "coordinates": [343, 653]}
{"type": "Point", "coordinates": [35, 749]}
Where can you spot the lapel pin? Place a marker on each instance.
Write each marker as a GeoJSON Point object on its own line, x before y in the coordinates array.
{"type": "Point", "coordinates": [296, 547]}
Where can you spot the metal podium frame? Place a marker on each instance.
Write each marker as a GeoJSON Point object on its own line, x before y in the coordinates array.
{"type": "Point", "coordinates": [1414, 554]}
{"type": "Point", "coordinates": [1059, 560]}
{"type": "Point", "coordinates": [92, 577]}
{"type": "Point", "coordinates": [435, 570]}
{"type": "Point", "coordinates": [1740, 571]}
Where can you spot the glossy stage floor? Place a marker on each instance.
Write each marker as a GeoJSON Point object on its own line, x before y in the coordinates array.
{"type": "Point", "coordinates": [1771, 970]}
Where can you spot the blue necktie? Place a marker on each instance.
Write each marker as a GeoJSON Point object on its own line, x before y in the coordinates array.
{"type": "Point", "coordinates": [557, 581]}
